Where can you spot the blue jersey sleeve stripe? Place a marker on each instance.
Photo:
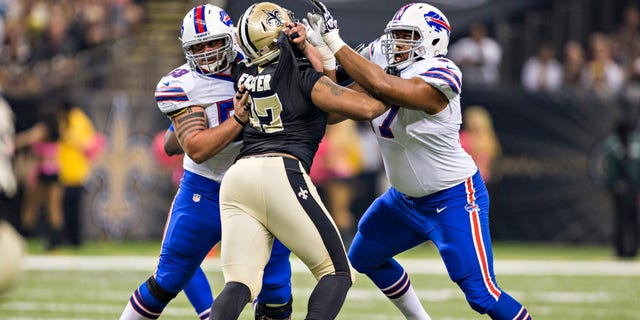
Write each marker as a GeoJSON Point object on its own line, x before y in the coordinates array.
{"type": "Point", "coordinates": [169, 89]}
{"type": "Point", "coordinates": [448, 81]}
{"type": "Point", "coordinates": [449, 72]}
{"type": "Point", "coordinates": [171, 98]}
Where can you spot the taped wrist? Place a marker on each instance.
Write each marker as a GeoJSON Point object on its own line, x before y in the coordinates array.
{"type": "Point", "coordinates": [333, 40]}
{"type": "Point", "coordinates": [328, 60]}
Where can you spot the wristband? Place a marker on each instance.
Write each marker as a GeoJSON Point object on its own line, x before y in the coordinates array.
{"type": "Point", "coordinates": [240, 122]}
{"type": "Point", "coordinates": [333, 40]}
{"type": "Point", "coordinates": [328, 60]}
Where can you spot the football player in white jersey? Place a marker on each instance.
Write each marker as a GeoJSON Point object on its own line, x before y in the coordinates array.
{"type": "Point", "coordinates": [208, 116]}
{"type": "Point", "coordinates": [436, 191]}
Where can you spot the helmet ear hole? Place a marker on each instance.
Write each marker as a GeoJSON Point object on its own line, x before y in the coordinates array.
{"type": "Point", "coordinates": [435, 41]}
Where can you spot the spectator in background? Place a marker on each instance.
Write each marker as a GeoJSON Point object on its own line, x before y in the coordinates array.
{"type": "Point", "coordinates": [43, 185]}
{"type": "Point", "coordinates": [42, 39]}
{"type": "Point", "coordinates": [627, 36]}
{"type": "Point", "coordinates": [632, 88]}
{"type": "Point", "coordinates": [542, 72]}
{"type": "Point", "coordinates": [622, 163]}
{"type": "Point", "coordinates": [574, 61]}
{"type": "Point", "coordinates": [56, 40]}
{"type": "Point", "coordinates": [371, 180]}
{"type": "Point", "coordinates": [127, 14]}
{"type": "Point", "coordinates": [8, 183]}
{"type": "Point", "coordinates": [79, 144]}
{"type": "Point", "coordinates": [479, 139]}
{"type": "Point", "coordinates": [601, 73]}
{"type": "Point", "coordinates": [336, 164]}
{"type": "Point", "coordinates": [478, 56]}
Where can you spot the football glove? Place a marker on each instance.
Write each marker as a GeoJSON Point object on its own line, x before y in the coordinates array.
{"type": "Point", "coordinates": [323, 22]}
{"type": "Point", "coordinates": [330, 23]}
{"type": "Point", "coordinates": [326, 55]}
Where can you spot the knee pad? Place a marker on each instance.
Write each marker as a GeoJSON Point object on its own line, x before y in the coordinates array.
{"type": "Point", "coordinates": [283, 312]}
{"type": "Point", "coordinates": [481, 302]}
{"type": "Point", "coordinates": [157, 291]}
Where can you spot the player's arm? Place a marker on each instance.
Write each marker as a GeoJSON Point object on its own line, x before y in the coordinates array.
{"type": "Point", "coordinates": [171, 145]}
{"type": "Point", "coordinates": [296, 33]}
{"type": "Point", "coordinates": [199, 141]}
{"type": "Point", "coordinates": [332, 98]}
{"type": "Point", "coordinates": [37, 132]}
{"type": "Point", "coordinates": [412, 93]}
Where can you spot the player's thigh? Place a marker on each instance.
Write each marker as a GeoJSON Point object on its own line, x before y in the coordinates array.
{"type": "Point", "coordinates": [278, 269]}
{"type": "Point", "coordinates": [246, 243]}
{"type": "Point", "coordinates": [192, 228]}
{"type": "Point", "coordinates": [244, 250]}
{"type": "Point", "coordinates": [464, 241]}
{"type": "Point", "coordinates": [300, 220]}
{"type": "Point", "coordinates": [384, 230]}
{"type": "Point", "coordinates": [276, 282]}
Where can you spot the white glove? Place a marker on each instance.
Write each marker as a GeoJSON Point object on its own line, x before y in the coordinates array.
{"type": "Point", "coordinates": [323, 22]}
{"type": "Point", "coordinates": [326, 55]}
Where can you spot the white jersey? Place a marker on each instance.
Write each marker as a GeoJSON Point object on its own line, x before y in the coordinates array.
{"type": "Point", "coordinates": [422, 153]}
{"type": "Point", "coordinates": [184, 87]}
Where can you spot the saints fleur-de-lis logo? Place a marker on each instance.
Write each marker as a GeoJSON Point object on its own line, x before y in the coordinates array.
{"type": "Point", "coordinates": [122, 175]}
{"type": "Point", "coordinates": [303, 193]}
{"type": "Point", "coordinates": [274, 18]}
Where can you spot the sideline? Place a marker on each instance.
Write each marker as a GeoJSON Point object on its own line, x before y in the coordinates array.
{"type": "Point", "coordinates": [416, 266]}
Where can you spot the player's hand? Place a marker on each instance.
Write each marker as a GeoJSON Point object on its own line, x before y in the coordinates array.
{"type": "Point", "coordinates": [329, 23]}
{"type": "Point", "coordinates": [297, 34]}
{"type": "Point", "coordinates": [326, 55]}
{"type": "Point", "coordinates": [242, 103]}
{"type": "Point", "coordinates": [312, 35]}
{"type": "Point", "coordinates": [322, 22]}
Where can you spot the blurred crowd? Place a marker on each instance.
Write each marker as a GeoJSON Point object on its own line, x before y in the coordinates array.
{"type": "Point", "coordinates": [46, 47]}
{"type": "Point", "coordinates": [45, 42]}
{"type": "Point", "coordinates": [51, 163]}
{"type": "Point", "coordinates": [608, 64]}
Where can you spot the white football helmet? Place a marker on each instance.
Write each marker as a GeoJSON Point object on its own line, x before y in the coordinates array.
{"type": "Point", "coordinates": [206, 23]}
{"type": "Point", "coordinates": [430, 32]}
{"type": "Point", "coordinates": [258, 30]}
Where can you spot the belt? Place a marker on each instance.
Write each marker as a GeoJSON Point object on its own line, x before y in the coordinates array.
{"type": "Point", "coordinates": [270, 155]}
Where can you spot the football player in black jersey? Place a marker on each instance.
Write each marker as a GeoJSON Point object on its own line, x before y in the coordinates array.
{"type": "Point", "coordinates": [267, 193]}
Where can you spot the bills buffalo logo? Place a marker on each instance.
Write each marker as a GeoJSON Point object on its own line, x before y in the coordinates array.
{"type": "Point", "coordinates": [436, 22]}
{"type": "Point", "coordinates": [470, 207]}
{"type": "Point", "coordinates": [274, 18]}
{"type": "Point", "coordinates": [224, 17]}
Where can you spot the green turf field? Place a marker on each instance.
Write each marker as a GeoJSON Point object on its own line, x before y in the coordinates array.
{"type": "Point", "coordinates": [555, 282]}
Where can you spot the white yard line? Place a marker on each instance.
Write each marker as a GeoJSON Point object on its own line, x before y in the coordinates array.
{"type": "Point", "coordinates": [415, 266]}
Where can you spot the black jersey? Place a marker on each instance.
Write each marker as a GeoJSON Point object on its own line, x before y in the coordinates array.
{"type": "Point", "coordinates": [282, 119]}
